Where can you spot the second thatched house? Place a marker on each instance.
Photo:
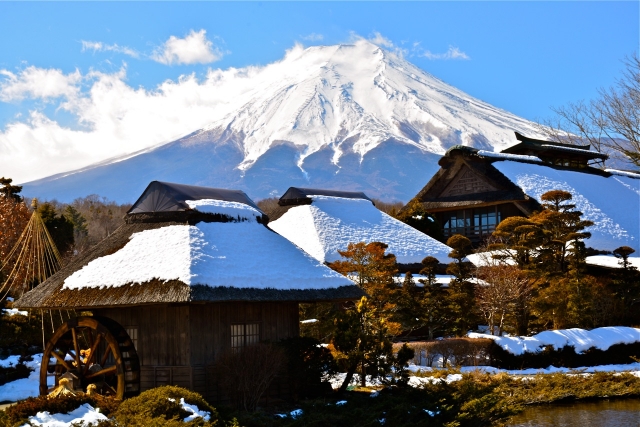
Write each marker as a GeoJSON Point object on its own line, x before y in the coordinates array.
{"type": "Point", "coordinates": [323, 222]}
{"type": "Point", "coordinates": [475, 190]}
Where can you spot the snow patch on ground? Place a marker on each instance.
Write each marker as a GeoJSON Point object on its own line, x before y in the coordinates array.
{"type": "Point", "coordinates": [83, 415]}
{"type": "Point", "coordinates": [241, 255]}
{"type": "Point", "coordinates": [25, 387]}
{"type": "Point", "coordinates": [580, 339]}
{"type": "Point", "coordinates": [329, 224]}
{"type": "Point", "coordinates": [232, 209]}
{"type": "Point", "coordinates": [612, 203]}
{"type": "Point", "coordinates": [13, 312]}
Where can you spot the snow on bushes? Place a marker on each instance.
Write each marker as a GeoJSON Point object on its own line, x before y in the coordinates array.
{"type": "Point", "coordinates": [580, 339]}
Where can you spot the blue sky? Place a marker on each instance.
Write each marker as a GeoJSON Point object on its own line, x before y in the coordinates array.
{"type": "Point", "coordinates": [520, 56]}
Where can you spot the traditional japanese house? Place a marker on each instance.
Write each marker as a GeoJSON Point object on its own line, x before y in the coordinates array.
{"type": "Point", "coordinates": [322, 222]}
{"type": "Point", "coordinates": [475, 190]}
{"type": "Point", "coordinates": [193, 273]}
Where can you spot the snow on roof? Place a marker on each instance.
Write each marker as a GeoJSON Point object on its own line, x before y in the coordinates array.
{"type": "Point", "coordinates": [623, 173]}
{"type": "Point", "coordinates": [611, 261]}
{"type": "Point", "coordinates": [232, 209]}
{"type": "Point", "coordinates": [580, 339]}
{"type": "Point", "coordinates": [233, 254]}
{"type": "Point", "coordinates": [612, 203]}
{"type": "Point", "coordinates": [329, 224]}
{"type": "Point", "coordinates": [168, 196]}
{"type": "Point", "coordinates": [506, 156]}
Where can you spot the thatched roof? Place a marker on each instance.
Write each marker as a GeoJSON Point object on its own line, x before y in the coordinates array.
{"type": "Point", "coordinates": [201, 254]}
{"type": "Point", "coordinates": [302, 196]}
{"type": "Point", "coordinates": [330, 221]}
{"type": "Point", "coordinates": [492, 186]}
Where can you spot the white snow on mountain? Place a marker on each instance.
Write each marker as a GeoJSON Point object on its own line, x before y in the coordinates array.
{"type": "Point", "coordinates": [329, 224]}
{"type": "Point", "coordinates": [354, 117]}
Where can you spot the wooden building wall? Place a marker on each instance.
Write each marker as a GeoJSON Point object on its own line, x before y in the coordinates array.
{"type": "Point", "coordinates": [178, 344]}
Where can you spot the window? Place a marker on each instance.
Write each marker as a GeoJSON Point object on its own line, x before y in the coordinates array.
{"type": "Point", "coordinates": [244, 334]}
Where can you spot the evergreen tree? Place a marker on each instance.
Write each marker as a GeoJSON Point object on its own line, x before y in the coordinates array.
{"type": "Point", "coordinates": [9, 191]}
{"type": "Point", "coordinates": [435, 307]}
{"type": "Point", "coordinates": [361, 342]}
{"type": "Point", "coordinates": [561, 226]}
{"type": "Point", "coordinates": [59, 227]}
{"type": "Point", "coordinates": [626, 286]}
{"type": "Point", "coordinates": [461, 290]}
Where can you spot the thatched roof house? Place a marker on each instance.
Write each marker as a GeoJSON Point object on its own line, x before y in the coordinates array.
{"type": "Point", "coordinates": [193, 273]}
{"type": "Point", "coordinates": [474, 190]}
{"type": "Point", "coordinates": [322, 222]}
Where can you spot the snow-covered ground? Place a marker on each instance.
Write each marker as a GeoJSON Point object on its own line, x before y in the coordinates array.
{"type": "Point", "coordinates": [611, 261]}
{"type": "Point", "coordinates": [25, 387]}
{"type": "Point", "coordinates": [329, 224]}
{"type": "Point", "coordinates": [237, 254]}
{"type": "Point", "coordinates": [580, 339]}
{"type": "Point", "coordinates": [83, 416]}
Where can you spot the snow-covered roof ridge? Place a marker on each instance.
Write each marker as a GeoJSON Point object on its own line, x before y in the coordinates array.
{"type": "Point", "coordinates": [329, 224]}
{"type": "Point", "coordinates": [506, 156]}
{"type": "Point", "coordinates": [161, 197]}
{"type": "Point", "coordinates": [623, 173]}
{"type": "Point", "coordinates": [237, 210]}
{"type": "Point", "coordinates": [580, 339]}
{"type": "Point", "coordinates": [237, 255]}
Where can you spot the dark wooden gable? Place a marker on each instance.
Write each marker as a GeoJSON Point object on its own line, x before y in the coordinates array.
{"type": "Point", "coordinates": [465, 182]}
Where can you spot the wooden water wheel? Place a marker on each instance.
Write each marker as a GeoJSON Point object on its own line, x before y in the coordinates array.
{"type": "Point", "coordinates": [92, 350]}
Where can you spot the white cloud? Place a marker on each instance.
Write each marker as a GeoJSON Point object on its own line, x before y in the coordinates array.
{"type": "Point", "coordinates": [110, 117]}
{"type": "Point", "coordinates": [40, 83]}
{"type": "Point", "coordinates": [381, 40]}
{"type": "Point", "coordinates": [102, 47]}
{"type": "Point", "coordinates": [195, 48]}
{"type": "Point", "coordinates": [313, 37]}
{"type": "Point", "coordinates": [452, 53]}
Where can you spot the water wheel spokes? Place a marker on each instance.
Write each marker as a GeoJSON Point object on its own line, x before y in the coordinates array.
{"type": "Point", "coordinates": [92, 350]}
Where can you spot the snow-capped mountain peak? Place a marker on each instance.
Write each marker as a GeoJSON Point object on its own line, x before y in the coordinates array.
{"type": "Point", "coordinates": [350, 116]}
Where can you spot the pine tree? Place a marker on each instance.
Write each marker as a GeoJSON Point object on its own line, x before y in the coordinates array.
{"type": "Point", "coordinates": [626, 286]}
{"type": "Point", "coordinates": [461, 290]}
{"type": "Point", "coordinates": [59, 227]}
{"type": "Point", "coordinates": [9, 191]}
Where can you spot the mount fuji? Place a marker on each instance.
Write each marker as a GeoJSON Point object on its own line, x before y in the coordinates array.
{"type": "Point", "coordinates": [350, 117]}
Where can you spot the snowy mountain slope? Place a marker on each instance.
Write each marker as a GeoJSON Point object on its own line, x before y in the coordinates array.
{"type": "Point", "coordinates": [354, 117]}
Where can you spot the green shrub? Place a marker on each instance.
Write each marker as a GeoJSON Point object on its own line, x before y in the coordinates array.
{"type": "Point", "coordinates": [21, 411]}
{"type": "Point", "coordinates": [153, 408]}
{"type": "Point", "coordinates": [12, 373]}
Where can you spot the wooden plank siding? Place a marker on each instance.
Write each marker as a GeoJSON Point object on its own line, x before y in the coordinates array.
{"type": "Point", "coordinates": [179, 343]}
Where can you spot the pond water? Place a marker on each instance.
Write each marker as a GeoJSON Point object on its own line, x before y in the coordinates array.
{"type": "Point", "coordinates": [609, 413]}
